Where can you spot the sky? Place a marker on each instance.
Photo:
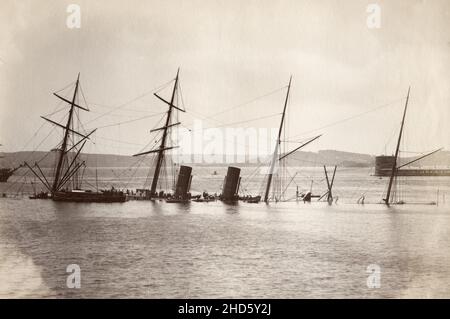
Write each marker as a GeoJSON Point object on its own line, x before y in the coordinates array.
{"type": "Point", "coordinates": [349, 80]}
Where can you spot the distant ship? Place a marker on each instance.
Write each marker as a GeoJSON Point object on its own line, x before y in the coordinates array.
{"type": "Point", "coordinates": [384, 164]}
{"type": "Point", "coordinates": [6, 172]}
{"type": "Point", "coordinates": [66, 185]}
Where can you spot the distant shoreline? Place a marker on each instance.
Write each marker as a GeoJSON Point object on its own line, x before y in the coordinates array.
{"type": "Point", "coordinates": [299, 159]}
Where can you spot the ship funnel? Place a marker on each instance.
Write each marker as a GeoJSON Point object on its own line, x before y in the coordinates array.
{"type": "Point", "coordinates": [231, 184]}
{"type": "Point", "coordinates": [183, 182]}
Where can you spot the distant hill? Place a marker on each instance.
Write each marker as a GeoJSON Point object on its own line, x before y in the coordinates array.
{"type": "Point", "coordinates": [332, 157]}
{"type": "Point", "coordinates": [46, 159]}
{"type": "Point", "coordinates": [324, 157]}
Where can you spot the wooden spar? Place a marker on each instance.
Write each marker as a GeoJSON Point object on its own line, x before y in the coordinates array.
{"type": "Point", "coordinates": [275, 153]}
{"type": "Point", "coordinates": [330, 194]}
{"type": "Point", "coordinates": [43, 181]}
{"type": "Point", "coordinates": [86, 137]}
{"type": "Point", "coordinates": [162, 146]}
{"type": "Point", "coordinates": [66, 136]}
{"type": "Point", "coordinates": [287, 186]}
{"type": "Point", "coordinates": [68, 171]}
{"type": "Point", "coordinates": [66, 100]}
{"type": "Point", "coordinates": [419, 158]}
{"type": "Point", "coordinates": [62, 173]}
{"type": "Point", "coordinates": [156, 151]}
{"type": "Point", "coordinates": [74, 170]}
{"type": "Point", "coordinates": [328, 181]}
{"type": "Point", "coordinates": [301, 146]}
{"type": "Point", "coordinates": [96, 179]}
{"type": "Point", "coordinates": [162, 128]}
{"type": "Point", "coordinates": [69, 129]}
{"type": "Point", "coordinates": [394, 166]}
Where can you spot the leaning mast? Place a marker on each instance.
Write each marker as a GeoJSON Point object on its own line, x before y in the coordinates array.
{"type": "Point", "coordinates": [162, 147]}
{"type": "Point", "coordinates": [64, 174]}
{"type": "Point", "coordinates": [394, 166]}
{"type": "Point", "coordinates": [275, 153]}
{"type": "Point", "coordinates": [63, 149]}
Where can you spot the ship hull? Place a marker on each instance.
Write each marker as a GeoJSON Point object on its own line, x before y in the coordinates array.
{"type": "Point", "coordinates": [414, 172]}
{"type": "Point", "coordinates": [384, 164]}
{"type": "Point", "coordinates": [90, 197]}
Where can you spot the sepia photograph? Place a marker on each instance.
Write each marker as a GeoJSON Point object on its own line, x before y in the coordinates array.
{"type": "Point", "coordinates": [225, 150]}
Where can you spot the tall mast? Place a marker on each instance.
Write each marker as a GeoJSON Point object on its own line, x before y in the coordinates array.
{"type": "Point", "coordinates": [63, 149]}
{"type": "Point", "coordinates": [164, 138]}
{"type": "Point", "coordinates": [394, 166]}
{"type": "Point", "coordinates": [275, 153]}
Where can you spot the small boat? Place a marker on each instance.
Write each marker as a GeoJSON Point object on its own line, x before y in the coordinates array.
{"type": "Point", "coordinates": [40, 195]}
{"type": "Point", "coordinates": [253, 199]}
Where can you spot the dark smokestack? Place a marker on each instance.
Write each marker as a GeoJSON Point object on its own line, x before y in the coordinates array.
{"type": "Point", "coordinates": [183, 182]}
{"type": "Point", "coordinates": [230, 188]}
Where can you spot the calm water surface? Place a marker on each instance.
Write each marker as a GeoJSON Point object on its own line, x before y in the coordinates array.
{"type": "Point", "coordinates": [199, 250]}
{"type": "Point", "coordinates": [140, 249]}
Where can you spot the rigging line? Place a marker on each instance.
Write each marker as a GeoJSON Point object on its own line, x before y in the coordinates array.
{"type": "Point", "coordinates": [57, 111]}
{"type": "Point", "coordinates": [83, 96]}
{"type": "Point", "coordinates": [251, 120]}
{"type": "Point", "coordinates": [203, 117]}
{"type": "Point", "coordinates": [418, 153]}
{"type": "Point", "coordinates": [226, 139]}
{"type": "Point", "coordinates": [247, 102]}
{"type": "Point", "coordinates": [350, 118]}
{"type": "Point", "coordinates": [163, 86]}
{"type": "Point", "coordinates": [68, 85]}
{"type": "Point", "coordinates": [247, 179]}
{"type": "Point", "coordinates": [78, 122]}
{"type": "Point", "coordinates": [239, 122]}
{"type": "Point", "coordinates": [129, 102]}
{"type": "Point", "coordinates": [181, 96]}
{"type": "Point", "coordinates": [39, 129]}
{"type": "Point", "coordinates": [149, 173]}
{"type": "Point", "coordinates": [136, 166]}
{"type": "Point", "coordinates": [122, 115]}
{"type": "Point", "coordinates": [34, 151]}
{"type": "Point", "coordinates": [152, 148]}
{"type": "Point", "coordinates": [33, 136]}
{"type": "Point", "coordinates": [118, 141]}
{"type": "Point", "coordinates": [123, 109]}
{"type": "Point", "coordinates": [158, 124]}
{"type": "Point", "coordinates": [15, 182]}
{"type": "Point", "coordinates": [129, 121]}
{"type": "Point", "coordinates": [155, 139]}
{"type": "Point", "coordinates": [206, 118]}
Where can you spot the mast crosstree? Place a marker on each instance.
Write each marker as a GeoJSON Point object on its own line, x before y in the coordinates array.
{"type": "Point", "coordinates": [62, 176]}
{"type": "Point", "coordinates": [165, 131]}
{"type": "Point", "coordinates": [275, 157]}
